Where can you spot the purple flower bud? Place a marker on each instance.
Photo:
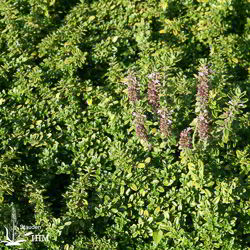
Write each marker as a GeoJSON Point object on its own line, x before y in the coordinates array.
{"type": "Point", "coordinates": [133, 88]}
{"type": "Point", "coordinates": [203, 126]}
{"type": "Point", "coordinates": [153, 93]}
{"type": "Point", "coordinates": [185, 139]}
{"type": "Point", "coordinates": [203, 88]}
{"type": "Point", "coordinates": [140, 129]}
{"type": "Point", "coordinates": [165, 122]}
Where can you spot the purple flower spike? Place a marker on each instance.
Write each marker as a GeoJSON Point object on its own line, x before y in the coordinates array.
{"type": "Point", "coordinates": [153, 93]}
{"type": "Point", "coordinates": [185, 139]}
{"type": "Point", "coordinates": [203, 127]}
{"type": "Point", "coordinates": [202, 102]}
{"type": "Point", "coordinates": [133, 88]}
{"type": "Point", "coordinates": [165, 122]}
{"type": "Point", "coordinates": [203, 88]}
{"type": "Point", "coordinates": [140, 129]}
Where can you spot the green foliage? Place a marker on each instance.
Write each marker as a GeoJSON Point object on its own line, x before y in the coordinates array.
{"type": "Point", "coordinates": [75, 158]}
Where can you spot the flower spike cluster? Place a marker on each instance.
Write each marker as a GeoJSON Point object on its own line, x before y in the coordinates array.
{"type": "Point", "coordinates": [154, 101]}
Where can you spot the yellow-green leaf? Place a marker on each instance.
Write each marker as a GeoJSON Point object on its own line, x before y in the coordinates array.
{"type": "Point", "coordinates": [89, 101]}
{"type": "Point", "coordinates": [115, 38]}
{"type": "Point", "coordinates": [91, 18]}
{"type": "Point", "coordinates": [154, 130]}
{"type": "Point", "coordinates": [157, 210]}
{"type": "Point", "coordinates": [216, 200]}
{"type": "Point", "coordinates": [235, 60]}
{"type": "Point", "coordinates": [134, 187]}
{"type": "Point", "coordinates": [207, 192]}
{"type": "Point", "coordinates": [160, 189]}
{"type": "Point", "coordinates": [157, 236]}
{"type": "Point", "coordinates": [1, 101]}
{"type": "Point", "coordinates": [1, 199]}
{"type": "Point", "coordinates": [164, 5]}
{"type": "Point", "coordinates": [129, 175]}
{"type": "Point", "coordinates": [58, 128]}
{"type": "Point", "coordinates": [142, 192]}
{"type": "Point", "coordinates": [141, 165]}
{"type": "Point", "coordinates": [122, 190]}
{"type": "Point", "coordinates": [148, 160]}
{"type": "Point", "coordinates": [39, 122]}
{"type": "Point", "coordinates": [52, 2]}
{"type": "Point", "coordinates": [89, 89]}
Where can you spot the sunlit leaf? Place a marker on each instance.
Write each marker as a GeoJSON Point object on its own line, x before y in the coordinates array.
{"type": "Point", "coordinates": [157, 236]}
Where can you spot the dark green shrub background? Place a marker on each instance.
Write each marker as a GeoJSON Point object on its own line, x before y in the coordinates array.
{"type": "Point", "coordinates": [70, 160]}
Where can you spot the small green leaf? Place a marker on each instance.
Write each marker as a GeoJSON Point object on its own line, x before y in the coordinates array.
{"type": "Point", "coordinates": [122, 190]}
{"type": "Point", "coordinates": [225, 135]}
{"type": "Point", "coordinates": [52, 2]}
{"type": "Point", "coordinates": [141, 212]}
{"type": "Point", "coordinates": [235, 60]}
{"type": "Point", "coordinates": [155, 182]}
{"type": "Point", "coordinates": [194, 122]}
{"type": "Point", "coordinates": [1, 101]}
{"type": "Point", "coordinates": [134, 187]}
{"type": "Point", "coordinates": [160, 189]}
{"type": "Point", "coordinates": [140, 221]}
{"type": "Point", "coordinates": [223, 116]}
{"type": "Point", "coordinates": [89, 89]}
{"type": "Point", "coordinates": [157, 210]}
{"type": "Point", "coordinates": [129, 175]}
{"type": "Point", "coordinates": [91, 18]}
{"type": "Point", "coordinates": [115, 38]}
{"type": "Point", "coordinates": [142, 192]}
{"type": "Point", "coordinates": [148, 160]}
{"type": "Point", "coordinates": [58, 128]}
{"type": "Point", "coordinates": [39, 122]}
{"type": "Point", "coordinates": [220, 122]}
{"type": "Point", "coordinates": [157, 236]}
{"type": "Point", "coordinates": [201, 169]}
{"type": "Point", "coordinates": [216, 200]}
{"type": "Point", "coordinates": [206, 192]}
{"type": "Point", "coordinates": [67, 223]}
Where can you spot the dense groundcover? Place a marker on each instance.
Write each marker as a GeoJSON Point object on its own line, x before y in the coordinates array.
{"type": "Point", "coordinates": [125, 124]}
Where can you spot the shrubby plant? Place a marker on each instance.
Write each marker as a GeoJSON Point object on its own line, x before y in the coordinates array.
{"type": "Point", "coordinates": [125, 124]}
